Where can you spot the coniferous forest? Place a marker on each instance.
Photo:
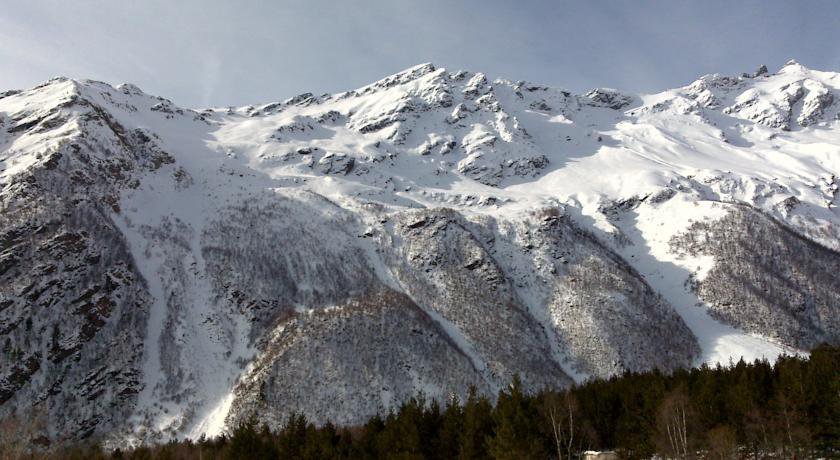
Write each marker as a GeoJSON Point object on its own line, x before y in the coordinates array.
{"type": "Point", "coordinates": [790, 409]}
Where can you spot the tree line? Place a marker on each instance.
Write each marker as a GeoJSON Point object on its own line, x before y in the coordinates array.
{"type": "Point", "coordinates": [789, 409]}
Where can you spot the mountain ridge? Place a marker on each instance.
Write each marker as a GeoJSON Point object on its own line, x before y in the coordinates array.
{"type": "Point", "coordinates": [518, 229]}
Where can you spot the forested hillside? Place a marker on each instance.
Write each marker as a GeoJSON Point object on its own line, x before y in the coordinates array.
{"type": "Point", "coordinates": [790, 409]}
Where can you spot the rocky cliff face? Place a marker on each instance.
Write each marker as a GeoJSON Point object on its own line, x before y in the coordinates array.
{"type": "Point", "coordinates": [167, 272]}
{"type": "Point", "coordinates": [74, 306]}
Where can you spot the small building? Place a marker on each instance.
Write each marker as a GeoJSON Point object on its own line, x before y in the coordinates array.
{"type": "Point", "coordinates": [596, 455]}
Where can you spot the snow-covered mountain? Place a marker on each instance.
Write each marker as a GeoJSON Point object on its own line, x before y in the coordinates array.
{"type": "Point", "coordinates": [168, 272]}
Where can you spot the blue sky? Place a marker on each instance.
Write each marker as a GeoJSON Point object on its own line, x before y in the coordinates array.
{"type": "Point", "coordinates": [201, 53]}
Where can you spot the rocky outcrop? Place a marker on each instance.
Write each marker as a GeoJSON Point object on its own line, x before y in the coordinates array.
{"type": "Point", "coordinates": [74, 308]}
{"type": "Point", "coordinates": [609, 98]}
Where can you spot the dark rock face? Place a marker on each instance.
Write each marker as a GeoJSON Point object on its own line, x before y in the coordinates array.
{"type": "Point", "coordinates": [336, 163]}
{"type": "Point", "coordinates": [73, 306]}
{"type": "Point", "coordinates": [767, 279]}
{"type": "Point", "coordinates": [610, 98]}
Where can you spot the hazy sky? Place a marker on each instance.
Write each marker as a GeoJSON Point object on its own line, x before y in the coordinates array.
{"type": "Point", "coordinates": [202, 52]}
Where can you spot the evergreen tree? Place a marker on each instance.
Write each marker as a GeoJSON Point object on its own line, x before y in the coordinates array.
{"type": "Point", "coordinates": [247, 442]}
{"type": "Point", "coordinates": [822, 390]}
{"type": "Point", "coordinates": [292, 437]}
{"type": "Point", "coordinates": [478, 427]}
{"type": "Point", "coordinates": [516, 427]}
{"type": "Point", "coordinates": [401, 436]}
{"type": "Point", "coordinates": [367, 441]}
{"type": "Point", "coordinates": [451, 426]}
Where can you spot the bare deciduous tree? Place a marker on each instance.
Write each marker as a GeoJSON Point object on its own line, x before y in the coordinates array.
{"type": "Point", "coordinates": [722, 442]}
{"type": "Point", "coordinates": [673, 421]}
{"type": "Point", "coordinates": [563, 411]}
{"type": "Point", "coordinates": [17, 434]}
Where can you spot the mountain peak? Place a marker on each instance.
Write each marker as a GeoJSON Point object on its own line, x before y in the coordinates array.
{"type": "Point", "coordinates": [129, 88]}
{"type": "Point", "coordinates": [410, 74]}
{"type": "Point", "coordinates": [792, 66]}
{"type": "Point", "coordinates": [421, 69]}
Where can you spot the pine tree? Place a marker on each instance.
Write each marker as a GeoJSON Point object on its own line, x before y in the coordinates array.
{"type": "Point", "coordinates": [516, 428]}
{"type": "Point", "coordinates": [478, 427]}
{"type": "Point", "coordinates": [822, 393]}
{"type": "Point", "coordinates": [401, 436]}
{"type": "Point", "coordinates": [367, 443]}
{"type": "Point", "coordinates": [292, 436]}
{"type": "Point", "coordinates": [451, 426]}
{"type": "Point", "coordinates": [247, 442]}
